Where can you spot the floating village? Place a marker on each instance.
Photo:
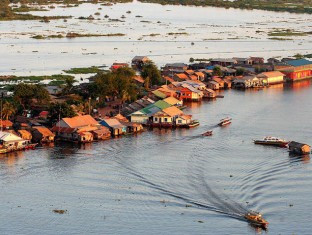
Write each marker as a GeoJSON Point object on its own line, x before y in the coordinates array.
{"type": "Point", "coordinates": [160, 107]}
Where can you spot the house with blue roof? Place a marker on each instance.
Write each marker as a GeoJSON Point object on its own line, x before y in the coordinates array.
{"type": "Point", "coordinates": [296, 69]}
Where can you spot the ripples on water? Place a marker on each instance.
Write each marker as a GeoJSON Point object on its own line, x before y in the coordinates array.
{"type": "Point", "coordinates": [170, 181]}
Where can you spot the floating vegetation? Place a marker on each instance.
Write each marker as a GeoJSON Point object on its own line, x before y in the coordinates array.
{"type": "Point", "coordinates": [286, 33]}
{"type": "Point", "coordinates": [36, 78]}
{"type": "Point", "coordinates": [76, 35]}
{"type": "Point", "coordinates": [92, 69]}
{"type": "Point", "coordinates": [279, 39]}
{"type": "Point", "coordinates": [60, 211]}
{"type": "Point", "coordinates": [183, 33]}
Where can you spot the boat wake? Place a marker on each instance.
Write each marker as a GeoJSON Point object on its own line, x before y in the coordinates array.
{"type": "Point", "coordinates": [210, 200]}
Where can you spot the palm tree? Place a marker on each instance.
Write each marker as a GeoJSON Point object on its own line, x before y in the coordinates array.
{"type": "Point", "coordinates": [8, 110]}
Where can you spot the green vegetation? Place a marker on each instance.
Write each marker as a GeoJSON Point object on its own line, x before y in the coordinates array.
{"type": "Point", "coordinates": [37, 78]}
{"type": "Point", "coordinates": [151, 74]}
{"type": "Point", "coordinates": [25, 93]}
{"type": "Point", "coordinates": [75, 35]}
{"type": "Point", "coordinates": [295, 6]}
{"type": "Point", "coordinates": [280, 39]}
{"type": "Point", "coordinates": [177, 33]}
{"type": "Point", "coordinates": [118, 83]}
{"type": "Point", "coordinates": [286, 33]}
{"type": "Point", "coordinates": [92, 69]}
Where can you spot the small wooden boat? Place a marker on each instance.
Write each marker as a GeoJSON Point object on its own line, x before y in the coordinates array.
{"type": "Point", "coordinates": [256, 219]}
{"type": "Point", "coordinates": [275, 141]}
{"type": "Point", "coordinates": [207, 133]}
{"type": "Point", "coordinates": [193, 124]}
{"type": "Point", "coordinates": [225, 121]}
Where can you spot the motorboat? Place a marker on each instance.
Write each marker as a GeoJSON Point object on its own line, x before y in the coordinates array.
{"type": "Point", "coordinates": [269, 140]}
{"type": "Point", "coordinates": [256, 219]}
{"type": "Point", "coordinates": [225, 121]}
{"type": "Point", "coordinates": [207, 133]}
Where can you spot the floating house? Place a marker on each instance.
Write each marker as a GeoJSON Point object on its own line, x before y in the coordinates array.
{"type": "Point", "coordinates": [24, 134]}
{"type": "Point", "coordinates": [295, 70]}
{"type": "Point", "coordinates": [10, 142]}
{"type": "Point", "coordinates": [139, 61]}
{"type": "Point", "coordinates": [115, 127]}
{"type": "Point", "coordinates": [273, 77]}
{"type": "Point", "coordinates": [76, 128]}
{"type": "Point", "coordinates": [166, 117]}
{"type": "Point", "coordinates": [41, 134]}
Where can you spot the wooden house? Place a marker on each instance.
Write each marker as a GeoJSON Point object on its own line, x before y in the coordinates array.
{"type": "Point", "coordinates": [41, 134]}
{"type": "Point", "coordinates": [116, 66]}
{"type": "Point", "coordinates": [139, 61]}
{"type": "Point", "coordinates": [213, 85]}
{"type": "Point", "coordinates": [76, 128]}
{"type": "Point", "coordinates": [296, 69]}
{"type": "Point", "coordinates": [183, 120]}
{"type": "Point", "coordinates": [299, 148]}
{"type": "Point", "coordinates": [11, 142]}
{"type": "Point", "coordinates": [166, 117]}
{"type": "Point", "coordinates": [274, 77]}
{"type": "Point", "coordinates": [24, 134]}
{"type": "Point", "coordinates": [190, 94]}
{"type": "Point", "coordinates": [114, 126]}
{"type": "Point", "coordinates": [181, 77]}
{"type": "Point", "coordinates": [132, 127]}
{"type": "Point", "coordinates": [247, 82]}
{"type": "Point", "coordinates": [209, 93]}
{"type": "Point", "coordinates": [220, 81]}
{"type": "Point", "coordinates": [223, 61]}
{"type": "Point", "coordinates": [257, 60]}
{"type": "Point", "coordinates": [174, 68]}
{"type": "Point", "coordinates": [101, 134]}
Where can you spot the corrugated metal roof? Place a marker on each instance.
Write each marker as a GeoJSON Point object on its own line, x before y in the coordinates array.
{"type": "Point", "coordinates": [79, 121]}
{"type": "Point", "coordinates": [150, 110]}
{"type": "Point", "coordinates": [300, 62]}
{"type": "Point", "coordinates": [171, 100]}
{"type": "Point", "coordinates": [159, 94]}
{"type": "Point", "coordinates": [162, 104]}
{"type": "Point", "coordinates": [44, 131]}
{"type": "Point", "coordinates": [173, 111]}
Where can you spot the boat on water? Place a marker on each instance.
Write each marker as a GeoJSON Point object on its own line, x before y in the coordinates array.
{"type": "Point", "coordinates": [207, 133]}
{"type": "Point", "coordinates": [256, 219]}
{"type": "Point", "coordinates": [275, 141]}
{"type": "Point", "coordinates": [225, 121]}
{"type": "Point", "coordinates": [194, 123]}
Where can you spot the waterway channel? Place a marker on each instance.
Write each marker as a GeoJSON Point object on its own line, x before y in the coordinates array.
{"type": "Point", "coordinates": [172, 181]}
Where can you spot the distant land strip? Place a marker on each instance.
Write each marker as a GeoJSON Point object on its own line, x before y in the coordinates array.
{"type": "Point", "coordinates": [296, 6]}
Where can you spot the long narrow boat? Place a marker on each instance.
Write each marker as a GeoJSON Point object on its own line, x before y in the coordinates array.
{"type": "Point", "coordinates": [256, 220]}
{"type": "Point", "coordinates": [225, 121]}
{"type": "Point", "coordinates": [275, 141]}
{"type": "Point", "coordinates": [207, 133]}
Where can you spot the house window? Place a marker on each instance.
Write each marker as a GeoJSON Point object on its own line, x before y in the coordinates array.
{"type": "Point", "coordinates": [179, 121]}
{"type": "Point", "coordinates": [156, 119]}
{"type": "Point", "coordinates": [166, 119]}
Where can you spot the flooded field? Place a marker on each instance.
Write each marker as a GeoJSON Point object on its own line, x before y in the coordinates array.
{"type": "Point", "coordinates": [172, 181]}
{"type": "Point", "coordinates": [163, 33]}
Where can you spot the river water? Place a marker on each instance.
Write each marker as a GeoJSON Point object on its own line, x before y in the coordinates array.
{"type": "Point", "coordinates": [163, 33]}
{"type": "Point", "coordinates": [172, 181]}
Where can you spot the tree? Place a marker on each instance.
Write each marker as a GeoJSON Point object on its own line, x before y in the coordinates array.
{"type": "Point", "coordinates": [8, 109]}
{"type": "Point", "coordinates": [24, 93]}
{"type": "Point", "coordinates": [118, 83]}
{"type": "Point", "coordinates": [150, 71]}
{"type": "Point", "coordinates": [5, 9]}
{"type": "Point", "coordinates": [217, 71]}
{"type": "Point", "coordinates": [60, 110]}
{"type": "Point", "coordinates": [69, 84]}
